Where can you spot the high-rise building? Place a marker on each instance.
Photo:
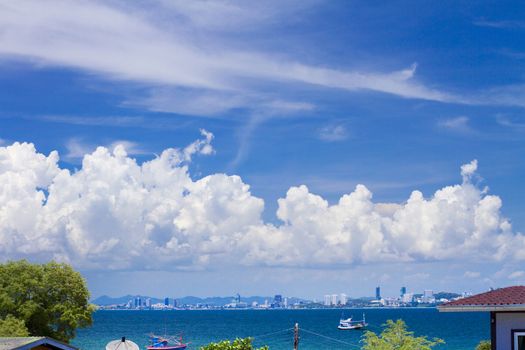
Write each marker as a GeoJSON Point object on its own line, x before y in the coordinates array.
{"type": "Point", "coordinates": [403, 291]}
{"type": "Point", "coordinates": [174, 302]}
{"type": "Point", "coordinates": [378, 293]}
{"type": "Point", "coordinates": [342, 299]}
{"type": "Point", "coordinates": [407, 298]}
{"type": "Point", "coordinates": [148, 302]}
{"type": "Point", "coordinates": [166, 301]}
{"type": "Point", "coordinates": [327, 300]}
{"type": "Point", "coordinates": [333, 300]}
{"type": "Point", "coordinates": [428, 297]}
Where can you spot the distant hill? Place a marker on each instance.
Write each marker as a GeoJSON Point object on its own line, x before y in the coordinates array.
{"type": "Point", "coordinates": [107, 300]}
{"type": "Point", "coordinates": [446, 295]}
{"type": "Point", "coordinates": [189, 300]}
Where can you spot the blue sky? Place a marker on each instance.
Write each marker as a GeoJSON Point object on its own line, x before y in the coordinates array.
{"type": "Point", "coordinates": [396, 97]}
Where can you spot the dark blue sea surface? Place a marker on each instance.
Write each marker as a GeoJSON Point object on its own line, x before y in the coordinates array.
{"type": "Point", "coordinates": [461, 331]}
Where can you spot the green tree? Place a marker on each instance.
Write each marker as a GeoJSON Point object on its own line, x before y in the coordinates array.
{"type": "Point", "coordinates": [238, 344]}
{"type": "Point", "coordinates": [484, 345]}
{"type": "Point", "coordinates": [13, 327]}
{"type": "Point", "coordinates": [48, 299]}
{"type": "Point", "coordinates": [395, 336]}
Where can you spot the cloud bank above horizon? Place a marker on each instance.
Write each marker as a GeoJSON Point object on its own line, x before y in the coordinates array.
{"type": "Point", "coordinates": [116, 214]}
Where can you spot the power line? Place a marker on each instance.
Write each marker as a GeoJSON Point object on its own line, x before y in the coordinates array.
{"type": "Point", "coordinates": [330, 338]}
{"type": "Point", "coordinates": [272, 333]}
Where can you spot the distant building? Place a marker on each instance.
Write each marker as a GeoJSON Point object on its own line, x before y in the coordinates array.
{"type": "Point", "coordinates": [285, 303]}
{"type": "Point", "coordinates": [428, 297]}
{"type": "Point", "coordinates": [148, 302]}
{"type": "Point", "coordinates": [238, 298]}
{"type": "Point", "coordinates": [378, 293]}
{"type": "Point", "coordinates": [138, 302]}
{"type": "Point", "coordinates": [327, 300]}
{"type": "Point", "coordinates": [333, 300]}
{"type": "Point", "coordinates": [277, 301]}
{"type": "Point", "coordinates": [343, 299]}
{"type": "Point", "coordinates": [407, 298]}
{"type": "Point", "coordinates": [174, 302]}
{"type": "Point", "coordinates": [403, 291]}
{"type": "Point", "coordinates": [167, 301]}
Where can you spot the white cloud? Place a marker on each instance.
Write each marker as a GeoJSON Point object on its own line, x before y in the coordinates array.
{"type": "Point", "coordinates": [503, 24]}
{"type": "Point", "coordinates": [333, 133]}
{"type": "Point", "coordinates": [472, 274]}
{"type": "Point", "coordinates": [77, 148]}
{"type": "Point", "coordinates": [125, 121]}
{"type": "Point", "coordinates": [517, 275]}
{"type": "Point", "coordinates": [507, 122]}
{"type": "Point", "coordinates": [458, 124]}
{"type": "Point", "coordinates": [177, 57]}
{"type": "Point", "coordinates": [468, 170]}
{"type": "Point", "coordinates": [114, 213]}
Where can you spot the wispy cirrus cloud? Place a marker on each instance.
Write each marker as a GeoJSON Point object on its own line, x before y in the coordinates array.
{"type": "Point", "coordinates": [123, 121]}
{"type": "Point", "coordinates": [158, 48]}
{"type": "Point", "coordinates": [510, 123]}
{"type": "Point", "coordinates": [332, 133]}
{"type": "Point", "coordinates": [501, 24]}
{"type": "Point", "coordinates": [164, 123]}
{"type": "Point", "coordinates": [458, 124]}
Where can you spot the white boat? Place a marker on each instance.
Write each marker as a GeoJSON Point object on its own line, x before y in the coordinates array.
{"type": "Point", "coordinates": [349, 324]}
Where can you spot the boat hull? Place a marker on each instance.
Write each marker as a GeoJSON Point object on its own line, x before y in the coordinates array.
{"type": "Point", "coordinates": [350, 328]}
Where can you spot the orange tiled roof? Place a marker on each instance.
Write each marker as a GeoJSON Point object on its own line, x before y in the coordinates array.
{"type": "Point", "coordinates": [499, 297]}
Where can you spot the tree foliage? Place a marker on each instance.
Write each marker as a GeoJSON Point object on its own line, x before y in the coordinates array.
{"type": "Point", "coordinates": [484, 345]}
{"type": "Point", "coordinates": [46, 299]}
{"type": "Point", "coordinates": [237, 344]}
{"type": "Point", "coordinates": [395, 336]}
{"type": "Point", "coordinates": [13, 327]}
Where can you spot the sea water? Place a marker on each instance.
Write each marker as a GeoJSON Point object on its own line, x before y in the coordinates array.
{"type": "Point", "coordinates": [317, 328]}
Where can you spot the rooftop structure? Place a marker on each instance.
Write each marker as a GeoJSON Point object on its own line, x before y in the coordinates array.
{"type": "Point", "coordinates": [507, 315]}
{"type": "Point", "coordinates": [504, 299]}
{"type": "Point", "coordinates": [28, 343]}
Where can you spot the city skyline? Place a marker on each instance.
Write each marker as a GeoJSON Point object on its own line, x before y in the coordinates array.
{"type": "Point", "coordinates": [291, 147]}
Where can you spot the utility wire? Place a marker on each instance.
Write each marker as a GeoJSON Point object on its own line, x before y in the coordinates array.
{"type": "Point", "coordinates": [272, 333]}
{"type": "Point", "coordinates": [330, 338]}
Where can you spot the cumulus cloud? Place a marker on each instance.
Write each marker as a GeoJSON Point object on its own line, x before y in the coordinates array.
{"type": "Point", "coordinates": [77, 148]}
{"type": "Point", "coordinates": [114, 213]}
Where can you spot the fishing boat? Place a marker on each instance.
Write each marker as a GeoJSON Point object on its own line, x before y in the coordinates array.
{"type": "Point", "coordinates": [163, 343]}
{"type": "Point", "coordinates": [346, 324]}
